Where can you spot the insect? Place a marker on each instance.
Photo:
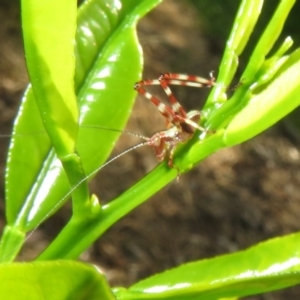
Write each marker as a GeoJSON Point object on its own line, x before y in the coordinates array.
{"type": "Point", "coordinates": [181, 124]}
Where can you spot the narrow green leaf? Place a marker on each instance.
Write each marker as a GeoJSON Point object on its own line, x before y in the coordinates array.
{"type": "Point", "coordinates": [26, 152]}
{"type": "Point", "coordinates": [245, 20]}
{"type": "Point", "coordinates": [56, 280]}
{"type": "Point", "coordinates": [51, 67]}
{"type": "Point", "coordinates": [269, 266]}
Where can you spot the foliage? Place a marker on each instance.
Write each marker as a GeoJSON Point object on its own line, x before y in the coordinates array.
{"type": "Point", "coordinates": [107, 62]}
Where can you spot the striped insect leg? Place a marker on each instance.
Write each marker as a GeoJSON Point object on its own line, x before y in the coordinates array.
{"type": "Point", "coordinates": [188, 80]}
{"type": "Point", "coordinates": [166, 111]}
{"type": "Point", "coordinates": [177, 108]}
{"type": "Point", "coordinates": [148, 82]}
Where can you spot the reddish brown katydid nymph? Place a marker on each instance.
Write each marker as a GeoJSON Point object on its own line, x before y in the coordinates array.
{"type": "Point", "coordinates": [181, 124]}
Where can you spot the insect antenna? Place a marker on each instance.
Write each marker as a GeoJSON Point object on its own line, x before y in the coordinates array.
{"type": "Point", "coordinates": [98, 169]}
{"type": "Point", "coordinates": [116, 130]}
{"type": "Point", "coordinates": [4, 135]}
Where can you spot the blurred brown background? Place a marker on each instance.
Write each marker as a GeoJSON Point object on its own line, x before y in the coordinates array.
{"type": "Point", "coordinates": [232, 200]}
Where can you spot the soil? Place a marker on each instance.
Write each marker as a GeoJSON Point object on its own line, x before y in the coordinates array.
{"type": "Point", "coordinates": [232, 200]}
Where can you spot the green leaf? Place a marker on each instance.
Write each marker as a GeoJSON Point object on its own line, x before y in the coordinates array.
{"type": "Point", "coordinates": [51, 67]}
{"type": "Point", "coordinates": [269, 266]}
{"type": "Point", "coordinates": [53, 280]}
{"type": "Point", "coordinates": [244, 23]}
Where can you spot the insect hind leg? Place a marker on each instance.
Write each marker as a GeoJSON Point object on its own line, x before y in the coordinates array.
{"type": "Point", "coordinates": [166, 111]}
{"type": "Point", "coordinates": [188, 80]}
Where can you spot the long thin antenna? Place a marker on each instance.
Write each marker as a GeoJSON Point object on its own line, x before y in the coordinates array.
{"type": "Point", "coordinates": [82, 126]}
{"type": "Point", "coordinates": [101, 167]}
{"type": "Point", "coordinates": [116, 130]}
